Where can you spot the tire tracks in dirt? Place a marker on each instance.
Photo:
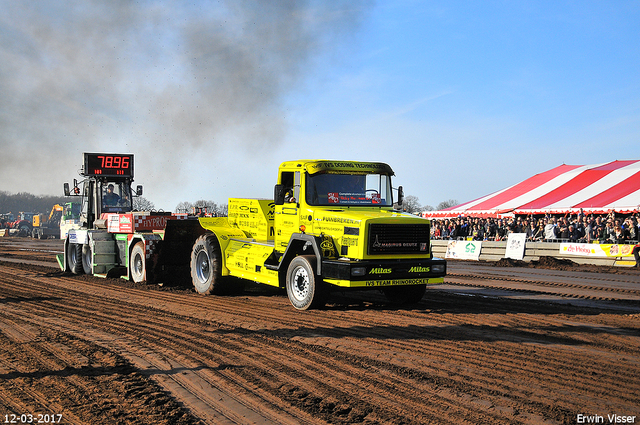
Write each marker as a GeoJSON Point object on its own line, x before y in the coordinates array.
{"type": "Point", "coordinates": [451, 359]}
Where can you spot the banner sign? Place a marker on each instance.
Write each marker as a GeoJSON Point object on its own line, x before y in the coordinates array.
{"type": "Point", "coordinates": [463, 250]}
{"type": "Point", "coordinates": [596, 250]}
{"type": "Point", "coordinates": [515, 246]}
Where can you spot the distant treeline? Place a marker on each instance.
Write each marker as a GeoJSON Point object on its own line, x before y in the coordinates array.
{"type": "Point", "coordinates": [27, 202]}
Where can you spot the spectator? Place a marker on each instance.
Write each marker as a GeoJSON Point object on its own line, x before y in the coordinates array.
{"type": "Point", "coordinates": [550, 229]}
{"type": "Point", "coordinates": [608, 232]}
{"type": "Point", "coordinates": [501, 231]}
{"type": "Point", "coordinates": [572, 234]}
{"type": "Point", "coordinates": [562, 230]}
{"type": "Point", "coordinates": [631, 229]}
{"type": "Point", "coordinates": [490, 228]}
{"type": "Point", "coordinates": [531, 230]}
{"type": "Point", "coordinates": [539, 234]}
{"type": "Point", "coordinates": [477, 233]}
{"type": "Point", "coordinates": [581, 227]}
{"type": "Point", "coordinates": [617, 236]}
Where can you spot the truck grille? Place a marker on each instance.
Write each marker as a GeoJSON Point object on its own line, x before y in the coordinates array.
{"type": "Point", "coordinates": [398, 238]}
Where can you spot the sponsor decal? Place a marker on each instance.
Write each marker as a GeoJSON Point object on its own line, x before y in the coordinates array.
{"type": "Point", "coordinates": [396, 282]}
{"type": "Point", "coordinates": [328, 249]}
{"type": "Point", "coordinates": [353, 198]}
{"type": "Point", "coordinates": [596, 250]}
{"type": "Point", "coordinates": [349, 241]}
{"type": "Point", "coordinates": [380, 270]}
{"type": "Point", "coordinates": [378, 244]}
{"type": "Point", "coordinates": [465, 250]}
{"type": "Point", "coordinates": [340, 220]}
{"type": "Point", "coordinates": [370, 167]}
{"type": "Point", "coordinates": [417, 269]}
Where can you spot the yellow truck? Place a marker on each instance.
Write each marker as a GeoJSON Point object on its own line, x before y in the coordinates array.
{"type": "Point", "coordinates": [331, 225]}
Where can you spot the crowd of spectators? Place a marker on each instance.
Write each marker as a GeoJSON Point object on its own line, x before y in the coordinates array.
{"type": "Point", "coordinates": [614, 228]}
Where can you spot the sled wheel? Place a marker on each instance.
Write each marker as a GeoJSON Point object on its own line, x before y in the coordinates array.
{"type": "Point", "coordinates": [206, 265]}
{"type": "Point", "coordinates": [74, 258]}
{"type": "Point", "coordinates": [304, 288]}
{"type": "Point", "coordinates": [405, 294]}
{"type": "Point", "coordinates": [87, 259]}
{"type": "Point", "coordinates": [138, 263]}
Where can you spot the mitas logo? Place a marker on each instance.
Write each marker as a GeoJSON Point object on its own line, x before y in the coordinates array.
{"type": "Point", "coordinates": [380, 270]}
{"type": "Point", "coordinates": [419, 270]}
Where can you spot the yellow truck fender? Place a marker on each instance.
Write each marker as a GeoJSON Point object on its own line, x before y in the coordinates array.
{"type": "Point", "coordinates": [224, 232]}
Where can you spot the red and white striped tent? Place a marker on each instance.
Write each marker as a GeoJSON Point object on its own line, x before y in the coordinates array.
{"type": "Point", "coordinates": [597, 188]}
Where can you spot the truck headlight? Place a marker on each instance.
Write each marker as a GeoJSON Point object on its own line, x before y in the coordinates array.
{"type": "Point", "coordinates": [358, 271]}
{"type": "Point", "coordinates": [437, 268]}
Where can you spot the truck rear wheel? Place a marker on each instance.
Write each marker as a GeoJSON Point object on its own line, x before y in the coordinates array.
{"type": "Point", "coordinates": [304, 289]}
{"type": "Point", "coordinates": [206, 265]}
{"type": "Point", "coordinates": [74, 258]}
{"type": "Point", "coordinates": [138, 263]}
{"type": "Point", "coordinates": [405, 294]}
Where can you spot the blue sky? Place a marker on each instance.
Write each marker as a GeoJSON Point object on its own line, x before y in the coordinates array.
{"type": "Point", "coordinates": [460, 98]}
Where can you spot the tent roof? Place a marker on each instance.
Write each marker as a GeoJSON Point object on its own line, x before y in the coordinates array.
{"type": "Point", "coordinates": [595, 188]}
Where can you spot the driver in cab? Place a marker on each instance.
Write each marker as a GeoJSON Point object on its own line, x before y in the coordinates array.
{"type": "Point", "coordinates": [110, 198]}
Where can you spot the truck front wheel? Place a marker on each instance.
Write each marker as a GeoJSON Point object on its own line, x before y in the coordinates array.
{"type": "Point", "coordinates": [206, 265]}
{"type": "Point", "coordinates": [74, 258]}
{"type": "Point", "coordinates": [138, 263]}
{"type": "Point", "coordinates": [87, 259]}
{"type": "Point", "coordinates": [304, 289]}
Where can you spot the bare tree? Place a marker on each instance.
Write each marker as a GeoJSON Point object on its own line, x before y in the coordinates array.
{"type": "Point", "coordinates": [447, 204]}
{"type": "Point", "coordinates": [184, 207]}
{"type": "Point", "coordinates": [411, 204]}
{"type": "Point", "coordinates": [140, 203]}
{"type": "Point", "coordinates": [222, 210]}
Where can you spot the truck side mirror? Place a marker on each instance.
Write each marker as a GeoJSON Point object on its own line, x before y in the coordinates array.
{"type": "Point", "coordinates": [139, 190]}
{"type": "Point", "coordinates": [400, 195]}
{"type": "Point", "coordinates": [278, 194]}
{"type": "Point", "coordinates": [66, 190]}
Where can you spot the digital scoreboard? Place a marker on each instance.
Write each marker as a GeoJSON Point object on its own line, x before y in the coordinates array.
{"type": "Point", "coordinates": [108, 165]}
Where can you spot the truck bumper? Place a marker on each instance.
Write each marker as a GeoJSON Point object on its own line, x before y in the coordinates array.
{"type": "Point", "coordinates": [370, 273]}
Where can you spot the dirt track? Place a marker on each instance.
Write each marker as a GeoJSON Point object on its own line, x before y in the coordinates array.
{"type": "Point", "coordinates": [473, 351]}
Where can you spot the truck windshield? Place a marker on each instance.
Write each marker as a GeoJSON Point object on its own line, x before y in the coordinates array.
{"type": "Point", "coordinates": [349, 189]}
{"type": "Point", "coordinates": [116, 196]}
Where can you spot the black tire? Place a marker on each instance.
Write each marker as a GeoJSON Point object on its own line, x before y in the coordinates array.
{"type": "Point", "coordinates": [74, 258]}
{"type": "Point", "coordinates": [206, 266]}
{"type": "Point", "coordinates": [138, 263]}
{"type": "Point", "coordinates": [405, 294]}
{"type": "Point", "coordinates": [87, 259]}
{"type": "Point", "coordinates": [304, 288]}
{"type": "Point", "coordinates": [24, 230]}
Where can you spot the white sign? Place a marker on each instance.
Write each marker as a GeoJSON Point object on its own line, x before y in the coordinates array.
{"type": "Point", "coordinates": [463, 250]}
{"type": "Point", "coordinates": [515, 246]}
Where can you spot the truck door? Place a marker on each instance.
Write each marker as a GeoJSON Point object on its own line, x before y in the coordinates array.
{"type": "Point", "coordinates": [287, 216]}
